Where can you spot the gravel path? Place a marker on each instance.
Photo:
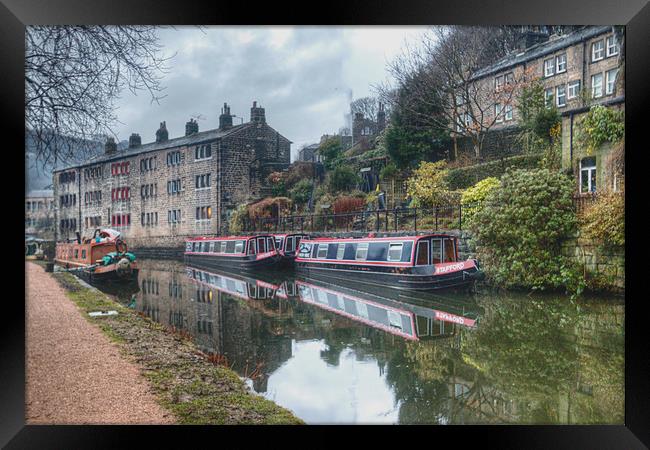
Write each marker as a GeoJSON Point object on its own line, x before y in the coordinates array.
{"type": "Point", "coordinates": [74, 373]}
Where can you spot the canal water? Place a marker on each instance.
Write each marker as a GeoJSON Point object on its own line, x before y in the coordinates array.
{"type": "Point", "coordinates": [335, 354]}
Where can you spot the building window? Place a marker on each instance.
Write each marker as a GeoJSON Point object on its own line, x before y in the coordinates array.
{"type": "Point", "coordinates": [173, 158]}
{"type": "Point", "coordinates": [508, 112]}
{"type": "Point", "coordinates": [549, 66]}
{"type": "Point", "coordinates": [560, 95]}
{"type": "Point", "coordinates": [497, 112]}
{"type": "Point", "coordinates": [174, 216]}
{"type": "Point", "coordinates": [574, 89]}
{"type": "Point", "coordinates": [560, 63]}
{"type": "Point", "coordinates": [202, 152]}
{"type": "Point", "coordinates": [204, 213]}
{"type": "Point", "coordinates": [548, 97]}
{"type": "Point", "coordinates": [498, 83]}
{"type": "Point", "coordinates": [597, 85]}
{"type": "Point", "coordinates": [588, 175]}
{"type": "Point", "coordinates": [597, 50]}
{"type": "Point", "coordinates": [174, 186]}
{"type": "Point", "coordinates": [203, 181]}
{"type": "Point", "coordinates": [510, 78]}
{"type": "Point", "coordinates": [612, 46]}
{"type": "Point", "coordinates": [610, 79]}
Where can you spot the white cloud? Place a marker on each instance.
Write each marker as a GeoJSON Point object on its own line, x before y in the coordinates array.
{"type": "Point", "coordinates": [301, 75]}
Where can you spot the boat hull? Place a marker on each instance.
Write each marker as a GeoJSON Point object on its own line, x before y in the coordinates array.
{"type": "Point", "coordinates": [390, 277]}
{"type": "Point", "coordinates": [237, 263]}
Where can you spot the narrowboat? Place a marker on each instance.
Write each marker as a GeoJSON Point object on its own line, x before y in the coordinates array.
{"type": "Point", "coordinates": [232, 252]}
{"type": "Point", "coordinates": [422, 263]}
{"type": "Point", "coordinates": [103, 257]}
{"type": "Point", "coordinates": [407, 319]}
{"type": "Point", "coordinates": [287, 245]}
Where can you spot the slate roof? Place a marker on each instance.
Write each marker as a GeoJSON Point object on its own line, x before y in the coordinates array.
{"type": "Point", "coordinates": [40, 193]}
{"type": "Point", "coordinates": [192, 139]}
{"type": "Point", "coordinates": [541, 49]}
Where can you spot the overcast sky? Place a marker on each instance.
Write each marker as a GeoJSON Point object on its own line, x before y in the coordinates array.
{"type": "Point", "coordinates": [302, 76]}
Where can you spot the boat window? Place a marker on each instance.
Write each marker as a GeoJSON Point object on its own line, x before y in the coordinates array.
{"type": "Point", "coordinates": [314, 251]}
{"type": "Point", "coordinates": [340, 251]}
{"type": "Point", "coordinates": [350, 251]}
{"type": "Point", "coordinates": [188, 246]}
{"type": "Point", "coordinates": [278, 243]}
{"type": "Point", "coordinates": [436, 251]}
{"type": "Point", "coordinates": [395, 252]}
{"type": "Point", "coordinates": [406, 251]}
{"type": "Point", "coordinates": [239, 246]}
{"type": "Point", "coordinates": [290, 245]}
{"type": "Point", "coordinates": [332, 250]}
{"type": "Point", "coordinates": [230, 246]}
{"type": "Point", "coordinates": [423, 325]}
{"type": "Point", "coordinates": [322, 251]}
{"type": "Point", "coordinates": [261, 245]}
{"type": "Point", "coordinates": [377, 251]}
{"type": "Point", "coordinates": [362, 251]}
{"type": "Point", "coordinates": [423, 253]}
{"type": "Point", "coordinates": [394, 319]}
{"type": "Point", "coordinates": [211, 247]}
{"type": "Point", "coordinates": [83, 254]}
{"type": "Point", "coordinates": [269, 244]}
{"type": "Point", "coordinates": [450, 251]}
{"type": "Point", "coordinates": [223, 246]}
{"type": "Point", "coordinates": [251, 247]}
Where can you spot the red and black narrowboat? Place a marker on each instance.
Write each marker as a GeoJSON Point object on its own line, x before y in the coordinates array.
{"type": "Point", "coordinates": [421, 263]}
{"type": "Point", "coordinates": [287, 246]}
{"type": "Point", "coordinates": [232, 252]}
{"type": "Point", "coordinates": [103, 257]}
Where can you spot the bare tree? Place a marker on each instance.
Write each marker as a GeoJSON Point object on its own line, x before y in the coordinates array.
{"type": "Point", "coordinates": [443, 74]}
{"type": "Point", "coordinates": [368, 106]}
{"type": "Point", "coordinates": [74, 74]}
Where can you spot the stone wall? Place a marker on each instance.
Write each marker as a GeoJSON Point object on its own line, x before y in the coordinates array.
{"type": "Point", "coordinates": [604, 265]}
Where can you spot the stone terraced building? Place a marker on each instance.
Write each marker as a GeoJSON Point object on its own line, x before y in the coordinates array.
{"type": "Point", "coordinates": [578, 69]}
{"type": "Point", "coordinates": [159, 193]}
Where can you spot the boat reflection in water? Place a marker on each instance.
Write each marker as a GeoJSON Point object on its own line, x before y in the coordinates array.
{"type": "Point", "coordinates": [396, 315]}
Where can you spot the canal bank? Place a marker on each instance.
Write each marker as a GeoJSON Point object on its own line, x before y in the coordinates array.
{"type": "Point", "coordinates": [181, 378]}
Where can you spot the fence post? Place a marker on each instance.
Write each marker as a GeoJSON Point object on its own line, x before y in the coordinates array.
{"type": "Point", "coordinates": [395, 211]}
{"type": "Point", "coordinates": [377, 224]}
{"type": "Point", "coordinates": [460, 216]}
{"type": "Point", "coordinates": [415, 219]}
{"type": "Point", "coordinates": [435, 212]}
{"type": "Point", "coordinates": [386, 217]}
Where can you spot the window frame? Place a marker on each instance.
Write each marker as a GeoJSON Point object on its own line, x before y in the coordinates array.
{"type": "Point", "coordinates": [557, 63]}
{"type": "Point", "coordinates": [575, 86]}
{"type": "Point", "coordinates": [557, 95]}
{"type": "Point", "coordinates": [592, 175]}
{"type": "Point", "coordinates": [547, 66]}
{"type": "Point", "coordinates": [612, 82]}
{"type": "Point", "coordinates": [593, 85]}
{"type": "Point", "coordinates": [498, 117]}
{"type": "Point", "coordinates": [401, 249]}
{"type": "Point", "coordinates": [614, 46]}
{"type": "Point", "coordinates": [361, 246]}
{"type": "Point", "coordinates": [601, 50]}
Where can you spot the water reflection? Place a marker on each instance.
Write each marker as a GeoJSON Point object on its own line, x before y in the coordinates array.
{"type": "Point", "coordinates": [334, 354]}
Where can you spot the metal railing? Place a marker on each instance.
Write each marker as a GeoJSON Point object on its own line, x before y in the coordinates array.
{"type": "Point", "coordinates": [444, 217]}
{"type": "Point", "coordinates": [439, 218]}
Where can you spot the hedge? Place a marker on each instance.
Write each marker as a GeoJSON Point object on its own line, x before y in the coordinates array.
{"type": "Point", "coordinates": [464, 177]}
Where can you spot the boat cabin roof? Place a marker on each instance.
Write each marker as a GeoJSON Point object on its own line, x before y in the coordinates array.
{"type": "Point", "coordinates": [228, 238]}
{"type": "Point", "coordinates": [382, 239]}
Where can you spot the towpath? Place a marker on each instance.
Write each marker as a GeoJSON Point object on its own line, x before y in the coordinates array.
{"type": "Point", "coordinates": [74, 373]}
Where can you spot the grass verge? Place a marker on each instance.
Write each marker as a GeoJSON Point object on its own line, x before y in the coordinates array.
{"type": "Point", "coordinates": [186, 383]}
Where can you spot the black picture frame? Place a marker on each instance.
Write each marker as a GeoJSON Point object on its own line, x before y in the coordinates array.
{"type": "Point", "coordinates": [16, 14]}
